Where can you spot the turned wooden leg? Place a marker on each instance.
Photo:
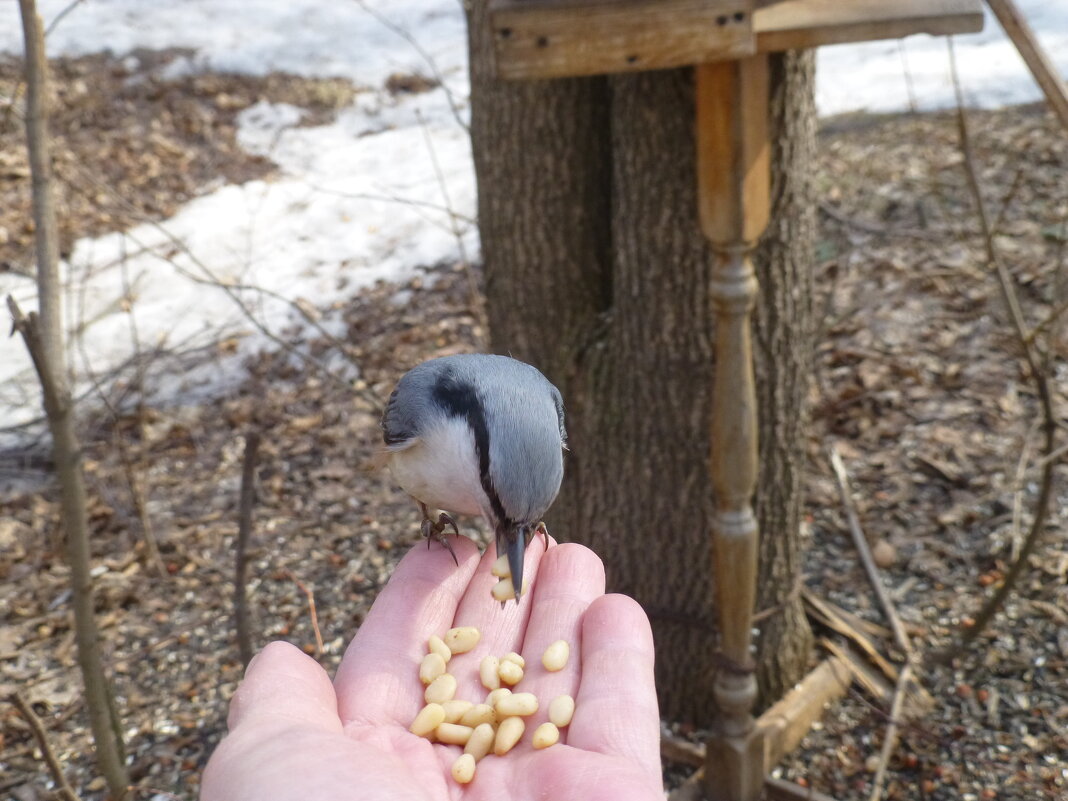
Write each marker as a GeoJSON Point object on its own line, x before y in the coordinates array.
{"type": "Point", "coordinates": [733, 185]}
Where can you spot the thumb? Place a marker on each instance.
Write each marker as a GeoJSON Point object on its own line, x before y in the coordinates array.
{"type": "Point", "coordinates": [284, 684]}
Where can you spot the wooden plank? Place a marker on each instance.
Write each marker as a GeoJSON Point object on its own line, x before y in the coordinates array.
{"type": "Point", "coordinates": [559, 38]}
{"type": "Point", "coordinates": [789, 719]}
{"type": "Point", "coordinates": [792, 24]}
{"type": "Point", "coordinates": [1043, 70]}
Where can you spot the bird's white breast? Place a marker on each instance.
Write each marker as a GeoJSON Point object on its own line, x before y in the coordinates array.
{"type": "Point", "coordinates": [441, 469]}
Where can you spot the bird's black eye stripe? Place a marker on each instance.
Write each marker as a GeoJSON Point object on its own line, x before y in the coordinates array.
{"type": "Point", "coordinates": [459, 399]}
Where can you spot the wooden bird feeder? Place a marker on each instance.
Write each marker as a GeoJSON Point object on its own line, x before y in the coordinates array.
{"type": "Point", "coordinates": [727, 41]}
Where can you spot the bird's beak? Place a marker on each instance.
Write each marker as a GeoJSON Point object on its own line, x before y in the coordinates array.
{"type": "Point", "coordinates": [516, 548]}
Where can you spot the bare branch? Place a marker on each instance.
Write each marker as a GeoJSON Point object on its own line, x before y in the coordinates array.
{"type": "Point", "coordinates": [66, 792]}
{"type": "Point", "coordinates": [406, 36]}
{"type": "Point", "coordinates": [44, 340]}
{"type": "Point", "coordinates": [890, 740]}
{"type": "Point", "coordinates": [1038, 375]}
{"type": "Point", "coordinates": [901, 637]}
{"type": "Point", "coordinates": [244, 531]}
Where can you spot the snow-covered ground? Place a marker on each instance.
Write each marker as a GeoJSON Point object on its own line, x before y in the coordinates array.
{"type": "Point", "coordinates": [384, 189]}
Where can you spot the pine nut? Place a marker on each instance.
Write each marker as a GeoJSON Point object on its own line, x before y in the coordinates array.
{"type": "Point", "coordinates": [441, 689]}
{"type": "Point", "coordinates": [462, 639]}
{"type": "Point", "coordinates": [561, 710]}
{"type": "Point", "coordinates": [436, 645]}
{"type": "Point", "coordinates": [517, 704]}
{"type": "Point", "coordinates": [512, 656]}
{"type": "Point", "coordinates": [429, 718]}
{"type": "Point", "coordinates": [555, 656]}
{"type": "Point", "coordinates": [481, 741]}
{"type": "Point", "coordinates": [456, 709]}
{"type": "Point", "coordinates": [497, 695]}
{"type": "Point", "coordinates": [545, 735]}
{"type": "Point", "coordinates": [509, 672]}
{"type": "Point", "coordinates": [477, 715]}
{"type": "Point", "coordinates": [487, 672]}
{"type": "Point", "coordinates": [463, 769]}
{"type": "Point", "coordinates": [453, 734]}
{"type": "Point", "coordinates": [508, 734]}
{"type": "Point", "coordinates": [500, 567]}
{"type": "Point", "coordinates": [504, 591]}
{"type": "Point", "coordinates": [431, 667]}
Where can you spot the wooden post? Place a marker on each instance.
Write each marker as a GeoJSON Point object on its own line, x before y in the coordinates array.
{"type": "Point", "coordinates": [733, 155]}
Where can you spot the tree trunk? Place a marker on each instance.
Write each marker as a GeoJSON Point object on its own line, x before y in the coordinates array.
{"type": "Point", "coordinates": [597, 272]}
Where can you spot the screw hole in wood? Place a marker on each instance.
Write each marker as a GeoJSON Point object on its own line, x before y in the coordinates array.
{"type": "Point", "coordinates": [543, 41]}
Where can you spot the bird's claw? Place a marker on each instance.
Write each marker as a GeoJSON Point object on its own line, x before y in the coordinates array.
{"type": "Point", "coordinates": [436, 530]}
{"type": "Point", "coordinates": [541, 529]}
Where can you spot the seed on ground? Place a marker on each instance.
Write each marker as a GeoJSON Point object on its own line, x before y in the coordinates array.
{"type": "Point", "coordinates": [500, 567]}
{"type": "Point", "coordinates": [481, 741]}
{"type": "Point", "coordinates": [429, 718]}
{"type": "Point", "coordinates": [545, 735]}
{"type": "Point", "coordinates": [509, 672]}
{"type": "Point", "coordinates": [453, 734]}
{"type": "Point", "coordinates": [479, 714]}
{"type": "Point", "coordinates": [516, 704]}
{"type": "Point", "coordinates": [487, 672]}
{"type": "Point", "coordinates": [508, 734]}
{"type": "Point", "coordinates": [441, 689]}
{"type": "Point", "coordinates": [456, 709]}
{"type": "Point", "coordinates": [431, 667]}
{"type": "Point", "coordinates": [463, 769]}
{"type": "Point", "coordinates": [561, 710]}
{"type": "Point", "coordinates": [555, 656]}
{"type": "Point", "coordinates": [462, 639]}
{"type": "Point", "coordinates": [436, 645]}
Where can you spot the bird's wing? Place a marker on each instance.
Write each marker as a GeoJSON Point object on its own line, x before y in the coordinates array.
{"type": "Point", "coordinates": [398, 429]}
{"type": "Point", "coordinates": [558, 401]}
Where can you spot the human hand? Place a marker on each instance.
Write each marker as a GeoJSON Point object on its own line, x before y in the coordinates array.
{"type": "Point", "coordinates": [294, 735]}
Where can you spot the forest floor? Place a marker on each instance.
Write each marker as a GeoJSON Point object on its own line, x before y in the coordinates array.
{"type": "Point", "coordinates": [919, 383]}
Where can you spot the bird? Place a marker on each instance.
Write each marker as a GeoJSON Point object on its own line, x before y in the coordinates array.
{"type": "Point", "coordinates": [478, 434]}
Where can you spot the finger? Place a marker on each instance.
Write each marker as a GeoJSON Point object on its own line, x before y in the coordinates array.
{"type": "Point", "coordinates": [377, 681]}
{"type": "Point", "coordinates": [570, 578]}
{"type": "Point", "coordinates": [285, 684]}
{"type": "Point", "coordinates": [615, 709]}
{"type": "Point", "coordinates": [501, 627]}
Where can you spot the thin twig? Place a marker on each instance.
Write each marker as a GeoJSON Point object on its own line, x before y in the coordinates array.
{"type": "Point", "coordinates": [901, 637]}
{"type": "Point", "coordinates": [311, 609]}
{"type": "Point", "coordinates": [59, 17]}
{"type": "Point", "coordinates": [62, 786]}
{"type": "Point", "coordinates": [890, 740]}
{"type": "Point", "coordinates": [1038, 375]}
{"type": "Point", "coordinates": [244, 530]}
{"type": "Point", "coordinates": [478, 304]}
{"type": "Point", "coordinates": [406, 36]}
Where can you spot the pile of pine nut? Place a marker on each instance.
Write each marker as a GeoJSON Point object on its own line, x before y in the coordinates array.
{"type": "Point", "coordinates": [497, 723]}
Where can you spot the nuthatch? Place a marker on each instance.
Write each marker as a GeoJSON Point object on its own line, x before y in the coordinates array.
{"type": "Point", "coordinates": [478, 434]}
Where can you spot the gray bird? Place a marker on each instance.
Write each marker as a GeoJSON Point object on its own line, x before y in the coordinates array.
{"type": "Point", "coordinates": [478, 434]}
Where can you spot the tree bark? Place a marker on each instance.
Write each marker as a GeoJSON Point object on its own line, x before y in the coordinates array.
{"type": "Point", "coordinates": [784, 340]}
{"type": "Point", "coordinates": [597, 272]}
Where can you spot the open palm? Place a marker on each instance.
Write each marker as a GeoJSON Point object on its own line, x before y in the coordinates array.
{"type": "Point", "coordinates": [295, 735]}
